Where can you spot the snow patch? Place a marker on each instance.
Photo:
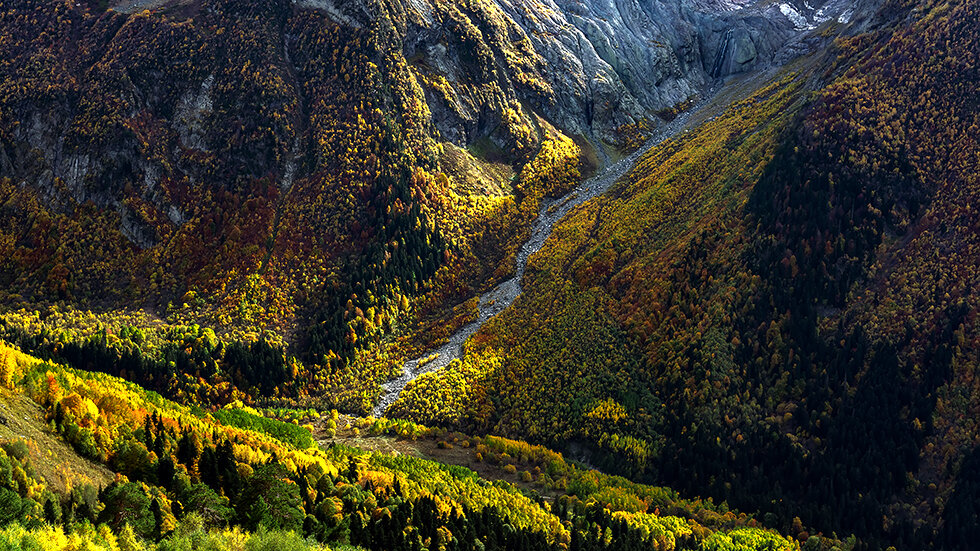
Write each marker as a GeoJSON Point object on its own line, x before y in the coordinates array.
{"type": "Point", "coordinates": [822, 15]}
{"type": "Point", "coordinates": [795, 17]}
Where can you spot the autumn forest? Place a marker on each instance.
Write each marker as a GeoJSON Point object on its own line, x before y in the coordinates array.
{"type": "Point", "coordinates": [384, 275]}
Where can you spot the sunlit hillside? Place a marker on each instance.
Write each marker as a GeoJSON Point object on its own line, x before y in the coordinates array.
{"type": "Point", "coordinates": [495, 274]}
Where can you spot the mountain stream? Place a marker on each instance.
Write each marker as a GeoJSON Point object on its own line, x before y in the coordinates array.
{"type": "Point", "coordinates": [498, 299]}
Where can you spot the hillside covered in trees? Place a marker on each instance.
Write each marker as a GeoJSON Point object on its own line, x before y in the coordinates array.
{"type": "Point", "coordinates": [262, 169]}
{"type": "Point", "coordinates": [240, 478]}
{"type": "Point", "coordinates": [776, 309]}
{"type": "Point", "coordinates": [223, 223]}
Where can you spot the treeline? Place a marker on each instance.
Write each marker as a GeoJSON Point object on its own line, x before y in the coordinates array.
{"type": "Point", "coordinates": [181, 472]}
{"type": "Point", "coordinates": [187, 363]}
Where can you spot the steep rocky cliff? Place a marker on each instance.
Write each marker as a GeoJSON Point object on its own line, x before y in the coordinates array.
{"type": "Point", "coordinates": [586, 65]}
{"type": "Point", "coordinates": [590, 67]}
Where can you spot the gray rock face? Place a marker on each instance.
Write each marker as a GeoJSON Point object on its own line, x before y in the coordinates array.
{"type": "Point", "coordinates": [589, 66]}
{"type": "Point", "coordinates": [486, 69]}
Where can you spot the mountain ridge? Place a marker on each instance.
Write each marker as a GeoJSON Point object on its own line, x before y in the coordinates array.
{"type": "Point", "coordinates": [266, 203]}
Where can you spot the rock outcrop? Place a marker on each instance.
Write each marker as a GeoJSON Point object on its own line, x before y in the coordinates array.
{"type": "Point", "coordinates": [183, 106]}
{"type": "Point", "coordinates": [588, 66]}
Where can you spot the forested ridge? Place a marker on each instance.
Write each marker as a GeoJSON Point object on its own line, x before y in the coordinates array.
{"type": "Point", "coordinates": [222, 221]}
{"type": "Point", "coordinates": [241, 478]}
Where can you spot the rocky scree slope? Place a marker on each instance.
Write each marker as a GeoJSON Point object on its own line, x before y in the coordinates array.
{"type": "Point", "coordinates": [587, 66]}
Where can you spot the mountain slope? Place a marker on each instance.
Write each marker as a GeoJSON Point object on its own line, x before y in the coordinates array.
{"type": "Point", "coordinates": [776, 309]}
{"type": "Point", "coordinates": [335, 178]}
{"type": "Point", "coordinates": [182, 472]}
{"type": "Point", "coordinates": [183, 131]}
{"type": "Point", "coordinates": [278, 202]}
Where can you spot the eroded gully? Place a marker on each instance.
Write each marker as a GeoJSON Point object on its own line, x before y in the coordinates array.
{"type": "Point", "coordinates": [498, 299]}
